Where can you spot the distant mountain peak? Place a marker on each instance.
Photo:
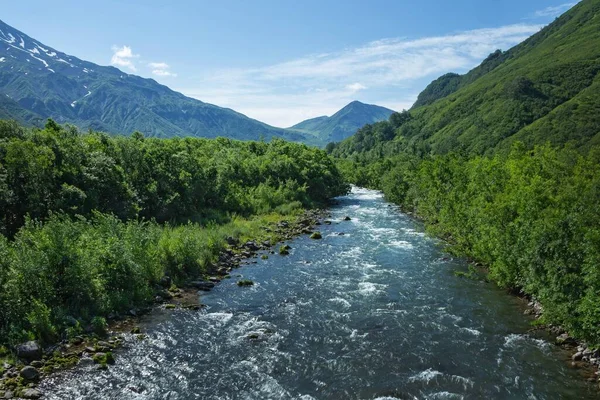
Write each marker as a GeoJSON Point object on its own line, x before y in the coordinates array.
{"type": "Point", "coordinates": [343, 123]}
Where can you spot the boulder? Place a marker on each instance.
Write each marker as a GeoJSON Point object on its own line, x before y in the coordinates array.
{"type": "Point", "coordinates": [316, 235]}
{"type": "Point", "coordinates": [565, 339]}
{"type": "Point", "coordinates": [36, 364]}
{"type": "Point", "coordinates": [29, 351]}
{"type": "Point", "coordinates": [347, 218]}
{"type": "Point", "coordinates": [29, 373]}
{"type": "Point", "coordinates": [577, 356]}
{"type": "Point", "coordinates": [252, 246]}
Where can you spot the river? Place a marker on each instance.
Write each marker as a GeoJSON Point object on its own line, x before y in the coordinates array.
{"type": "Point", "coordinates": [375, 313]}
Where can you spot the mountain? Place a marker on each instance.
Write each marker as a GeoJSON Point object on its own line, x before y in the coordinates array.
{"type": "Point", "coordinates": [343, 123]}
{"type": "Point", "coordinates": [546, 89]}
{"type": "Point", "coordinates": [38, 82]}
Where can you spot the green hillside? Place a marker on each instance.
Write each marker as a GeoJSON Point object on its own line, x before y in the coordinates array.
{"type": "Point", "coordinates": [544, 89]}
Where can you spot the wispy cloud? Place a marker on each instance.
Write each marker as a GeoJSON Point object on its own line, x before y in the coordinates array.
{"type": "Point", "coordinates": [356, 86]}
{"type": "Point", "coordinates": [553, 11]}
{"type": "Point", "coordinates": [124, 57]}
{"type": "Point", "coordinates": [390, 72]}
{"type": "Point", "coordinates": [161, 69]}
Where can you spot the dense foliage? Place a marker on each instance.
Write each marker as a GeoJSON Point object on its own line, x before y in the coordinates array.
{"type": "Point", "coordinates": [91, 222]}
{"type": "Point", "coordinates": [59, 170]}
{"type": "Point", "coordinates": [533, 216]}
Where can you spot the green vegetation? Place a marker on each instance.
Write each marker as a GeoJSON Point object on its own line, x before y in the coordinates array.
{"type": "Point", "coordinates": [531, 216]}
{"type": "Point", "coordinates": [504, 163]}
{"type": "Point", "coordinates": [92, 223]}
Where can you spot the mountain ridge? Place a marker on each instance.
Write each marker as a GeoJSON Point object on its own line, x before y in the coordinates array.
{"type": "Point", "coordinates": [344, 122]}
{"type": "Point", "coordinates": [42, 83]}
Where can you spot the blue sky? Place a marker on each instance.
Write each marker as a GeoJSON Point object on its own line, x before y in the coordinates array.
{"type": "Point", "coordinates": [283, 61]}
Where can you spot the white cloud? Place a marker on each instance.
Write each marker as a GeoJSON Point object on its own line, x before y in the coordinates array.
{"type": "Point", "coordinates": [123, 57]}
{"type": "Point", "coordinates": [554, 11]}
{"type": "Point", "coordinates": [388, 72]}
{"type": "Point", "coordinates": [161, 69]}
{"type": "Point", "coordinates": [356, 87]}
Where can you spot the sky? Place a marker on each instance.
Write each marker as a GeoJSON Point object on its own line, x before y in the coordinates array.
{"type": "Point", "coordinates": [284, 61]}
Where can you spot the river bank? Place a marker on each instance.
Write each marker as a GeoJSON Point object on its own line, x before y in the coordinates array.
{"type": "Point", "coordinates": [22, 371]}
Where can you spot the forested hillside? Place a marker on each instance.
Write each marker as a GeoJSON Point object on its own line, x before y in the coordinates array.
{"type": "Point", "coordinates": [503, 163]}
{"type": "Point", "coordinates": [91, 223]}
{"type": "Point", "coordinates": [545, 89]}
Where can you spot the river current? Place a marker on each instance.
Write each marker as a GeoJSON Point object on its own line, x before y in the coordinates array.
{"type": "Point", "coordinates": [375, 313]}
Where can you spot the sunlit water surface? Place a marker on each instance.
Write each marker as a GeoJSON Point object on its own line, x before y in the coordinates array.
{"type": "Point", "coordinates": [376, 313]}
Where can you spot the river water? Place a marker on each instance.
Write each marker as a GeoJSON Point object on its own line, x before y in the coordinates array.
{"type": "Point", "coordinates": [376, 313]}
